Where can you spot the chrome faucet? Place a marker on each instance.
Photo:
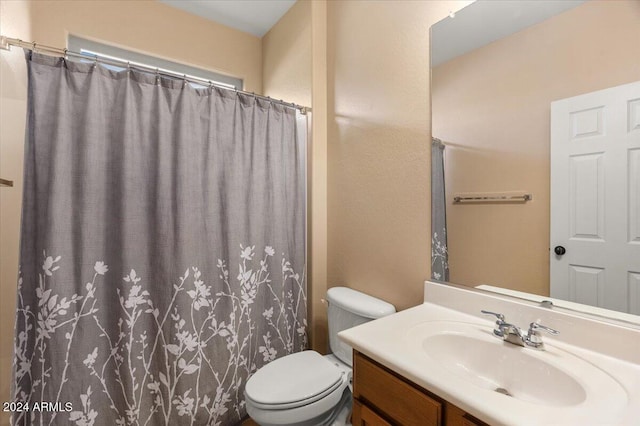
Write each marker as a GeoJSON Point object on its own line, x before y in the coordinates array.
{"type": "Point", "coordinates": [514, 334]}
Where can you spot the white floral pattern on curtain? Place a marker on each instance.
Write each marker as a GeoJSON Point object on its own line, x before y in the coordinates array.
{"type": "Point", "coordinates": [121, 367]}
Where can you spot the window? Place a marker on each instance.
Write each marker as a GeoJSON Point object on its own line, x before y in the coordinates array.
{"type": "Point", "coordinates": [92, 48]}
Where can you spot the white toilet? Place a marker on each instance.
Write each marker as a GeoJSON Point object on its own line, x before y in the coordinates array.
{"type": "Point", "coordinates": [306, 388]}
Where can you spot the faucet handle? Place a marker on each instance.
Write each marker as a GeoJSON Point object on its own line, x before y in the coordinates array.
{"type": "Point", "coordinates": [500, 317]}
{"type": "Point", "coordinates": [498, 330]}
{"type": "Point", "coordinates": [533, 338]}
{"type": "Point", "coordinates": [534, 326]}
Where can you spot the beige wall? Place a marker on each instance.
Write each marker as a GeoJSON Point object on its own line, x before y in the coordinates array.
{"type": "Point", "coordinates": [370, 151]}
{"type": "Point", "coordinates": [318, 177]}
{"type": "Point", "coordinates": [286, 56]}
{"type": "Point", "coordinates": [379, 146]}
{"type": "Point", "coordinates": [491, 107]}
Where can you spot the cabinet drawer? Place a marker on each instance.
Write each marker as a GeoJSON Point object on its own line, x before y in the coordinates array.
{"type": "Point", "coordinates": [398, 399]}
{"type": "Point", "coordinates": [364, 416]}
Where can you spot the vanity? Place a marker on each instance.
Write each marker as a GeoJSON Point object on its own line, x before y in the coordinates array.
{"type": "Point", "coordinates": [440, 363]}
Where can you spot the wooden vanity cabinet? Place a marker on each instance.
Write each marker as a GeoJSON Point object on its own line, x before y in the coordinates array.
{"type": "Point", "coordinates": [384, 398]}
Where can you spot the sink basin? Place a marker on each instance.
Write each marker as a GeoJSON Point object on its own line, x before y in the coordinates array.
{"type": "Point", "coordinates": [504, 368]}
{"type": "Point", "coordinates": [471, 353]}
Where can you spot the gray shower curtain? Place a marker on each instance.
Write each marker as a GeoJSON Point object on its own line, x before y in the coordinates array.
{"type": "Point", "coordinates": [439, 250]}
{"type": "Point", "coordinates": [162, 254]}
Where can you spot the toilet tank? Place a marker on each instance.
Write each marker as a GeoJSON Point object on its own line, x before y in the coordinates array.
{"type": "Point", "coordinates": [348, 308]}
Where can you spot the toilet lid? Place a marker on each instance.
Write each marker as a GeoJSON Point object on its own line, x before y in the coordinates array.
{"type": "Point", "coordinates": [293, 380]}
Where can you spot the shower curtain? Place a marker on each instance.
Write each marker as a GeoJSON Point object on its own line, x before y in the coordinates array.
{"type": "Point", "coordinates": [162, 255]}
{"type": "Point", "coordinates": [439, 252]}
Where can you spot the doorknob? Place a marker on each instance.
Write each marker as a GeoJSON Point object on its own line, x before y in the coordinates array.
{"type": "Point", "coordinates": [559, 250]}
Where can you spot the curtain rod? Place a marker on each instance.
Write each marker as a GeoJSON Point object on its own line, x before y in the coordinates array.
{"type": "Point", "coordinates": [7, 42]}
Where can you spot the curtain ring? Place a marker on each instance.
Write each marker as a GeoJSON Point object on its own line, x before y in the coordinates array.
{"type": "Point", "coordinates": [95, 61]}
{"type": "Point", "coordinates": [157, 76]}
{"type": "Point", "coordinates": [184, 80]}
{"type": "Point", "coordinates": [33, 49]}
{"type": "Point", "coordinates": [65, 53]}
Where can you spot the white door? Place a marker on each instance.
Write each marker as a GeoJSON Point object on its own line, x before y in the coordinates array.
{"type": "Point", "coordinates": [595, 198]}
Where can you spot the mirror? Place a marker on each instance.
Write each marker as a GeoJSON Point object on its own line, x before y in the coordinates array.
{"type": "Point", "coordinates": [497, 67]}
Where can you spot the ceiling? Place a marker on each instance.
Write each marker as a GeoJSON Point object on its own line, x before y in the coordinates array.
{"type": "Point", "coordinates": [486, 21]}
{"type": "Point", "coordinates": [251, 16]}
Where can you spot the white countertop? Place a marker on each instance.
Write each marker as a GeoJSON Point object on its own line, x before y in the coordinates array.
{"type": "Point", "coordinates": [388, 341]}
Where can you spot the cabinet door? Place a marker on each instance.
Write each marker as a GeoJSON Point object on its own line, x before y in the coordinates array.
{"type": "Point", "coordinates": [363, 416]}
{"type": "Point", "coordinates": [400, 401]}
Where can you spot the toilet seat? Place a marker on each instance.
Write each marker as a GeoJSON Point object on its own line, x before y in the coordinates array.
{"type": "Point", "coordinates": [309, 377]}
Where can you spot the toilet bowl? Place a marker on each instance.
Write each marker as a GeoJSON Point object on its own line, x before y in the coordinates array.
{"type": "Point", "coordinates": [309, 389]}
{"type": "Point", "coordinates": [316, 391]}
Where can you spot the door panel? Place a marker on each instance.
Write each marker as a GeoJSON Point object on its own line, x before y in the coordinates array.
{"type": "Point", "coordinates": [586, 204]}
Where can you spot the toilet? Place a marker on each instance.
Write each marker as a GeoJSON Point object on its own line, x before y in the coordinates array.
{"type": "Point", "coordinates": [309, 389]}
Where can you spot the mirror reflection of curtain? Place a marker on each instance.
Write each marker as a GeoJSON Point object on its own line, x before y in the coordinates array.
{"type": "Point", "coordinates": [439, 252]}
